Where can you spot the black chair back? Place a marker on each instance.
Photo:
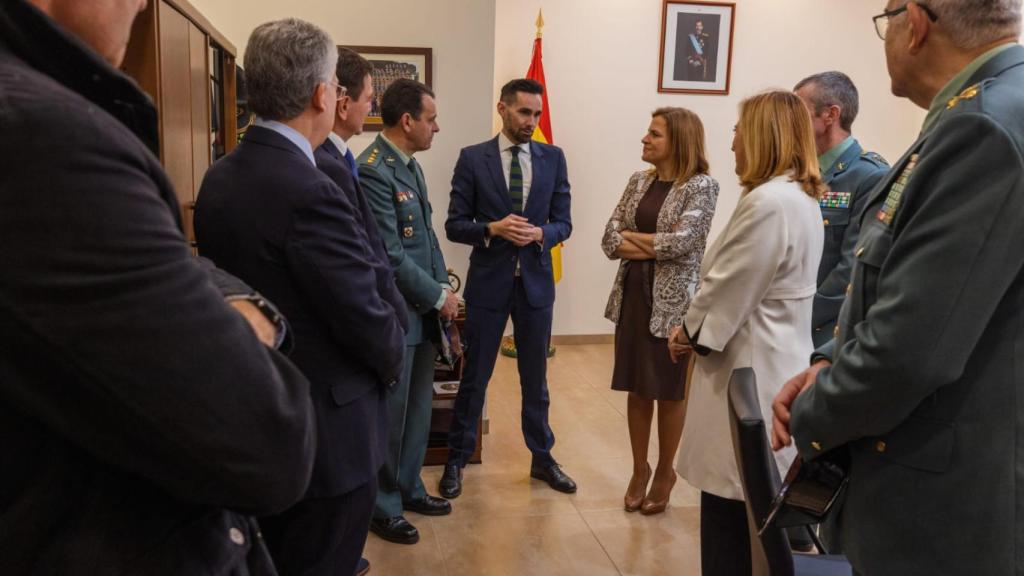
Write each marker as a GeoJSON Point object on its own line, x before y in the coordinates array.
{"type": "Point", "coordinates": [758, 472]}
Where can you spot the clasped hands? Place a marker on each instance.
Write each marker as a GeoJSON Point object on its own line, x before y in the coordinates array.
{"type": "Point", "coordinates": [516, 229]}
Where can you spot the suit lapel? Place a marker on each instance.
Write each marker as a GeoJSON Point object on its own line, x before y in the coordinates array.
{"type": "Point", "coordinates": [493, 160]}
{"type": "Point", "coordinates": [333, 151]}
{"type": "Point", "coordinates": [538, 164]}
{"type": "Point", "coordinates": [883, 186]}
{"type": "Point", "coordinates": [393, 161]}
{"type": "Point", "coordinates": [843, 163]}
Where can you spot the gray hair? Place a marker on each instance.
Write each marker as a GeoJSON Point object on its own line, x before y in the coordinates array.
{"type": "Point", "coordinates": [974, 23]}
{"type": "Point", "coordinates": [833, 89]}
{"type": "Point", "coordinates": [285, 61]}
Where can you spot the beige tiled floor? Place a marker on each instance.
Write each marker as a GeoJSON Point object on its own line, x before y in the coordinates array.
{"type": "Point", "coordinates": [504, 523]}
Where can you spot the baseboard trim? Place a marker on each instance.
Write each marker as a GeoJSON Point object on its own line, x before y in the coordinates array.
{"type": "Point", "coordinates": [571, 339]}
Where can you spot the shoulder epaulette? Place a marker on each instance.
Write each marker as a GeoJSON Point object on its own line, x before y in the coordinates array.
{"type": "Point", "coordinates": [875, 158]}
{"type": "Point", "coordinates": [967, 94]}
{"type": "Point", "coordinates": [373, 157]}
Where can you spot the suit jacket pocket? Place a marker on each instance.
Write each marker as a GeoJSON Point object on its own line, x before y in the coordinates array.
{"type": "Point", "coordinates": [355, 386]}
{"type": "Point", "coordinates": [919, 443]}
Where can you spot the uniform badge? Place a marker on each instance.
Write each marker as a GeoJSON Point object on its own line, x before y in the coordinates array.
{"type": "Point", "coordinates": [403, 196]}
{"type": "Point", "coordinates": [892, 201]}
{"type": "Point", "coordinates": [835, 200]}
{"type": "Point", "coordinates": [407, 231]}
{"type": "Point", "coordinates": [389, 160]}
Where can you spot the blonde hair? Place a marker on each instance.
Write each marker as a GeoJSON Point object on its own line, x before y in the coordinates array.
{"type": "Point", "coordinates": [686, 142]}
{"type": "Point", "coordinates": [777, 138]}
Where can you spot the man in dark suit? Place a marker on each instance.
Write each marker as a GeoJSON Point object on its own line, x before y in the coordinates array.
{"type": "Point", "coordinates": [335, 159]}
{"type": "Point", "coordinates": [510, 201]}
{"type": "Point", "coordinates": [922, 385]}
{"type": "Point", "coordinates": [397, 193]}
{"type": "Point", "coordinates": [138, 410]}
{"type": "Point", "coordinates": [266, 214]}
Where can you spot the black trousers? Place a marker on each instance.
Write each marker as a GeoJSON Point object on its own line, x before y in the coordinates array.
{"type": "Point", "coordinates": [724, 537]}
{"type": "Point", "coordinates": [321, 536]}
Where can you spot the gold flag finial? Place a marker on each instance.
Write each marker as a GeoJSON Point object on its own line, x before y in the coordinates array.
{"type": "Point", "coordinates": [540, 22]}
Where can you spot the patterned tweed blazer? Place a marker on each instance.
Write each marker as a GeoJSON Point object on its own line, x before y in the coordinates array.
{"type": "Point", "coordinates": [682, 231]}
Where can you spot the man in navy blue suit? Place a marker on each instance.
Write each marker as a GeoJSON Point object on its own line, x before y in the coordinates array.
{"type": "Point", "coordinates": [510, 201]}
{"type": "Point", "coordinates": [268, 215]}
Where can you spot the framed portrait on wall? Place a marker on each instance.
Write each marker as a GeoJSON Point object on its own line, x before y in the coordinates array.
{"type": "Point", "coordinates": [389, 64]}
{"type": "Point", "coordinates": [696, 47]}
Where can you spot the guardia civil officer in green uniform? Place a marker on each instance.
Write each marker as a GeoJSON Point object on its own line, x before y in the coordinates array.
{"type": "Point", "coordinates": [397, 194]}
{"type": "Point", "coordinates": [850, 173]}
{"type": "Point", "coordinates": [925, 389]}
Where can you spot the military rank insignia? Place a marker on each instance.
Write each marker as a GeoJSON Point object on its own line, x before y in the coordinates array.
{"type": "Point", "coordinates": [835, 200]}
{"type": "Point", "coordinates": [892, 201]}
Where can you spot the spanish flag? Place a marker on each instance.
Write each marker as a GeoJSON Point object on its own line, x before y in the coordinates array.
{"type": "Point", "coordinates": [543, 131]}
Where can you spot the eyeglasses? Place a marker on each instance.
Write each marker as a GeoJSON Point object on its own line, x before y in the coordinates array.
{"type": "Point", "coordinates": [342, 91]}
{"type": "Point", "coordinates": [882, 20]}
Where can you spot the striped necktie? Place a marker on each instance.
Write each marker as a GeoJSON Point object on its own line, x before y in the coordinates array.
{"type": "Point", "coordinates": [515, 181]}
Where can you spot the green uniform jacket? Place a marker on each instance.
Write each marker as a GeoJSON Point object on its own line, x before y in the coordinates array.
{"type": "Point", "coordinates": [927, 386]}
{"type": "Point", "coordinates": [850, 179]}
{"type": "Point", "coordinates": [398, 198]}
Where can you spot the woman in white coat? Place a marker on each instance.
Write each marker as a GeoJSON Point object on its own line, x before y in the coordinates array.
{"type": "Point", "coordinates": [753, 309]}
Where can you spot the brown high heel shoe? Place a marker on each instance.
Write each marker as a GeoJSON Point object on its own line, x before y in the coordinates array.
{"type": "Point", "coordinates": [657, 506]}
{"type": "Point", "coordinates": [633, 503]}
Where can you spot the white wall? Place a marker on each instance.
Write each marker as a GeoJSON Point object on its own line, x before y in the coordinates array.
{"type": "Point", "coordinates": [601, 62]}
{"type": "Point", "coordinates": [461, 34]}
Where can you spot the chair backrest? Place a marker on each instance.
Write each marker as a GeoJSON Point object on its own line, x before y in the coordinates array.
{"type": "Point", "coordinates": [758, 472]}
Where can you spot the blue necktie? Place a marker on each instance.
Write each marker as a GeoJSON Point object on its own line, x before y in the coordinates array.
{"type": "Point", "coordinates": [352, 164]}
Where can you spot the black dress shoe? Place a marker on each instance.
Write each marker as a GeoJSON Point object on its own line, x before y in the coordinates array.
{"type": "Point", "coordinates": [451, 481]}
{"type": "Point", "coordinates": [555, 478]}
{"type": "Point", "coordinates": [429, 506]}
{"type": "Point", "coordinates": [395, 529]}
{"type": "Point", "coordinates": [363, 568]}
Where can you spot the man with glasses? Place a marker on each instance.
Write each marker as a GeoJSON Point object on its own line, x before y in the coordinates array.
{"type": "Point", "coordinates": [921, 386]}
{"type": "Point", "coordinates": [268, 215]}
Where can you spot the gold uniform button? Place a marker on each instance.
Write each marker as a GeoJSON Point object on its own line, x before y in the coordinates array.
{"type": "Point", "coordinates": [816, 446]}
{"type": "Point", "coordinates": [825, 221]}
{"type": "Point", "coordinates": [880, 446]}
{"type": "Point", "coordinates": [859, 251]}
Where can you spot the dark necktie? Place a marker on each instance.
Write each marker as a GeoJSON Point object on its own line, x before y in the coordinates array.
{"type": "Point", "coordinates": [352, 164]}
{"type": "Point", "coordinates": [515, 181]}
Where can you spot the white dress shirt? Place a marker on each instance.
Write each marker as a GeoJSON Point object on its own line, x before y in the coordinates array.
{"type": "Point", "coordinates": [291, 134]}
{"type": "Point", "coordinates": [525, 163]}
{"type": "Point", "coordinates": [339, 142]}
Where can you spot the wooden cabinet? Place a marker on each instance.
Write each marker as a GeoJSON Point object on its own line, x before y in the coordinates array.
{"type": "Point", "coordinates": [188, 69]}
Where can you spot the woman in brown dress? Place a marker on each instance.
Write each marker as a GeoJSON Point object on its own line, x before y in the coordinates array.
{"type": "Point", "coordinates": [658, 230]}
